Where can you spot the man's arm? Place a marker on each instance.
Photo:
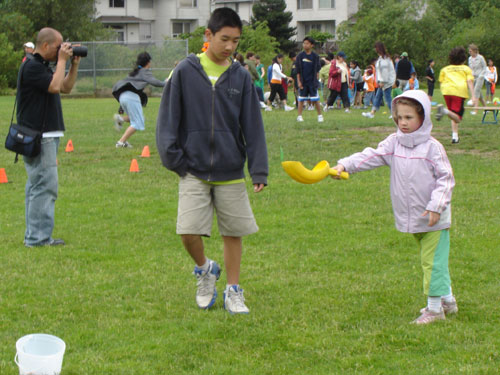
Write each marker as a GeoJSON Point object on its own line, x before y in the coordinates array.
{"type": "Point", "coordinates": [69, 80]}
{"type": "Point", "coordinates": [56, 85]}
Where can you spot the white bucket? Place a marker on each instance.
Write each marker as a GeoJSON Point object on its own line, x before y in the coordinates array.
{"type": "Point", "coordinates": [39, 354]}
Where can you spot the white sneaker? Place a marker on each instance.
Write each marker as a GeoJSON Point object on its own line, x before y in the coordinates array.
{"type": "Point", "coordinates": [268, 109]}
{"type": "Point", "coordinates": [206, 292]}
{"type": "Point", "coordinates": [310, 108]}
{"type": "Point", "coordinates": [473, 113]}
{"type": "Point", "coordinates": [300, 119]}
{"type": "Point", "coordinates": [263, 105]}
{"type": "Point", "coordinates": [390, 117]}
{"type": "Point", "coordinates": [234, 302]}
{"type": "Point", "coordinates": [123, 144]}
{"type": "Point", "coordinates": [347, 110]}
{"type": "Point", "coordinates": [320, 118]}
{"type": "Point", "coordinates": [439, 112]}
{"type": "Point", "coordinates": [325, 108]}
{"type": "Point", "coordinates": [288, 108]}
{"type": "Point", "coordinates": [118, 121]}
{"type": "Point", "coordinates": [368, 114]}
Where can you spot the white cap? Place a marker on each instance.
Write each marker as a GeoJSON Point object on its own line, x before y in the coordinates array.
{"type": "Point", "coordinates": [29, 45]}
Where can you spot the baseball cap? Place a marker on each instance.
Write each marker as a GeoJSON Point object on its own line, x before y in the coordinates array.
{"type": "Point", "coordinates": [404, 54]}
{"type": "Point", "coordinates": [341, 54]}
{"type": "Point", "coordinates": [29, 45]}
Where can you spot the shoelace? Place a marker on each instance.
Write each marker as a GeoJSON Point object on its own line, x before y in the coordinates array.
{"type": "Point", "coordinates": [237, 298]}
{"type": "Point", "coordinates": [203, 283]}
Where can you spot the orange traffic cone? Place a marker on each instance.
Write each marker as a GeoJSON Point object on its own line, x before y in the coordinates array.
{"type": "Point", "coordinates": [3, 176]}
{"type": "Point", "coordinates": [145, 152]}
{"type": "Point", "coordinates": [134, 167]}
{"type": "Point", "coordinates": [69, 146]}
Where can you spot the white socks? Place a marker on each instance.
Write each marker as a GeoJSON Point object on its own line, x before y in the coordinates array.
{"type": "Point", "coordinates": [454, 136]}
{"type": "Point", "coordinates": [434, 303]}
{"type": "Point", "coordinates": [204, 268]}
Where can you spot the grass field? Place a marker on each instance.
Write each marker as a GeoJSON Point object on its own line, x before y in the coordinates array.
{"type": "Point", "coordinates": [331, 284]}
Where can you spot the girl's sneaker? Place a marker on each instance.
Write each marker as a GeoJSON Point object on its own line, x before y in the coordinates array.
{"type": "Point", "coordinates": [448, 307]}
{"type": "Point", "coordinates": [123, 144]}
{"type": "Point", "coordinates": [429, 316]}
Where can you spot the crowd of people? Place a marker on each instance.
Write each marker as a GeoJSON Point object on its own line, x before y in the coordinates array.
{"type": "Point", "coordinates": [333, 81]}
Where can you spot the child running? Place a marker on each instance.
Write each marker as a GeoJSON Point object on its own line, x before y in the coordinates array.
{"type": "Point", "coordinates": [421, 186]}
{"type": "Point", "coordinates": [209, 123]}
{"type": "Point", "coordinates": [455, 79]}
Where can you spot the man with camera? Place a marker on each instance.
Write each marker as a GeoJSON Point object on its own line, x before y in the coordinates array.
{"type": "Point", "coordinates": [39, 107]}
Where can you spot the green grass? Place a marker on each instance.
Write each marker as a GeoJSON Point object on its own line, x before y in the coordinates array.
{"type": "Point", "coordinates": [331, 284]}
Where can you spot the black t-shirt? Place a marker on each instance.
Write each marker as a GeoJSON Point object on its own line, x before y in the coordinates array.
{"type": "Point", "coordinates": [429, 72]}
{"type": "Point", "coordinates": [34, 102]}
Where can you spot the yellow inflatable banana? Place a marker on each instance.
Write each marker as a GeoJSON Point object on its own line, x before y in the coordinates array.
{"type": "Point", "coordinates": [297, 171]}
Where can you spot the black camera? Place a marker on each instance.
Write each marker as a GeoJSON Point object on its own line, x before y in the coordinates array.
{"type": "Point", "coordinates": [79, 51]}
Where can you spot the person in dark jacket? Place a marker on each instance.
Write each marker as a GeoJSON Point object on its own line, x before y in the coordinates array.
{"type": "Point", "coordinates": [404, 69]}
{"type": "Point", "coordinates": [129, 92]}
{"type": "Point", "coordinates": [209, 124]}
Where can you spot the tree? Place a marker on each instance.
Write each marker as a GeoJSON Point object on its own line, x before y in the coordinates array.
{"type": "Point", "coordinates": [74, 19]}
{"type": "Point", "coordinates": [278, 21]}
{"type": "Point", "coordinates": [258, 39]}
{"type": "Point", "coordinates": [320, 37]}
{"type": "Point", "coordinates": [9, 63]}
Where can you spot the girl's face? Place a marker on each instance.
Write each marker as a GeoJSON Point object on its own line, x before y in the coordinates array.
{"type": "Point", "coordinates": [490, 62]}
{"type": "Point", "coordinates": [407, 118]}
{"type": "Point", "coordinates": [279, 60]}
{"type": "Point", "coordinates": [472, 52]}
{"type": "Point", "coordinates": [352, 65]}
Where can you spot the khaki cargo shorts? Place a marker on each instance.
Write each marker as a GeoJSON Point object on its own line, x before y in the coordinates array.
{"type": "Point", "coordinates": [197, 201]}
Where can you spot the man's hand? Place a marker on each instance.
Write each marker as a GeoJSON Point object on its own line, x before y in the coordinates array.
{"type": "Point", "coordinates": [65, 52]}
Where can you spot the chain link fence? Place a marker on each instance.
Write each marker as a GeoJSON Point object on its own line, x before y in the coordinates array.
{"type": "Point", "coordinates": [108, 62]}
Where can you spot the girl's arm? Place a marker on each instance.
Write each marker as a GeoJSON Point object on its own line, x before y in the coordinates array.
{"type": "Point", "coordinates": [370, 158]}
{"type": "Point", "coordinates": [441, 195]}
{"type": "Point", "coordinates": [277, 71]}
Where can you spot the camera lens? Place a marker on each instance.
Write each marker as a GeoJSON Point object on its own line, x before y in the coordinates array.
{"type": "Point", "coordinates": [80, 51]}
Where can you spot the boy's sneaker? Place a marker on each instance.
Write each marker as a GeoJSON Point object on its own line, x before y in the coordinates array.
{"type": "Point", "coordinates": [429, 316]}
{"type": "Point", "coordinates": [123, 144]}
{"type": "Point", "coordinates": [453, 140]}
{"type": "Point", "coordinates": [440, 112]}
{"type": "Point", "coordinates": [320, 118]}
{"type": "Point", "coordinates": [288, 108]}
{"type": "Point", "coordinates": [368, 114]}
{"type": "Point", "coordinates": [347, 110]}
{"type": "Point", "coordinates": [263, 105]}
{"type": "Point", "coordinates": [118, 121]}
{"type": "Point", "coordinates": [473, 113]}
{"type": "Point", "coordinates": [234, 302]}
{"type": "Point", "coordinates": [268, 109]}
{"type": "Point", "coordinates": [206, 292]}
{"type": "Point", "coordinates": [300, 119]}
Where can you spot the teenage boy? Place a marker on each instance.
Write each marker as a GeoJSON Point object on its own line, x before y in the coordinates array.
{"type": "Point", "coordinates": [207, 148]}
{"type": "Point", "coordinates": [308, 67]}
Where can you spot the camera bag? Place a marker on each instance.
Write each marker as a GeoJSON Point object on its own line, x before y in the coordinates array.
{"type": "Point", "coordinates": [22, 139]}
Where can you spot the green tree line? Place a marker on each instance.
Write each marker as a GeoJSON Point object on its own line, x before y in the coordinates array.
{"type": "Point", "coordinates": [426, 29]}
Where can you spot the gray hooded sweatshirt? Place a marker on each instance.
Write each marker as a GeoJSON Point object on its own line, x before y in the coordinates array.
{"type": "Point", "coordinates": [211, 130]}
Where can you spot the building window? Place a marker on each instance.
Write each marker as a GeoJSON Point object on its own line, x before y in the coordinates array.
{"type": "Point", "coordinates": [329, 4]}
{"type": "Point", "coordinates": [144, 31]}
{"type": "Point", "coordinates": [179, 28]}
{"type": "Point", "coordinates": [117, 3]}
{"type": "Point", "coordinates": [120, 33]}
{"type": "Point", "coordinates": [146, 4]}
{"type": "Point", "coordinates": [326, 26]}
{"type": "Point", "coordinates": [188, 3]}
{"type": "Point", "coordinates": [304, 4]}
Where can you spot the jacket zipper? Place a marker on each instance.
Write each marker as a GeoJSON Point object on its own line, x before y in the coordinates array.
{"type": "Point", "coordinates": [212, 135]}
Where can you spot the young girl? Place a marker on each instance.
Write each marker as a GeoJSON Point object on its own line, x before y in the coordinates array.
{"type": "Point", "coordinates": [276, 87]}
{"type": "Point", "coordinates": [421, 185]}
{"type": "Point", "coordinates": [490, 79]}
{"type": "Point", "coordinates": [129, 92]}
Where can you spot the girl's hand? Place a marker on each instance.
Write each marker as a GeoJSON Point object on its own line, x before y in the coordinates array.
{"type": "Point", "coordinates": [339, 168]}
{"type": "Point", "coordinates": [433, 217]}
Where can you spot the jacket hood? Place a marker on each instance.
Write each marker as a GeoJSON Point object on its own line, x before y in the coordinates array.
{"type": "Point", "coordinates": [423, 133]}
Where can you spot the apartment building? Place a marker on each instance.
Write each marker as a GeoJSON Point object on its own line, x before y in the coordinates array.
{"type": "Point", "coordinates": [141, 20]}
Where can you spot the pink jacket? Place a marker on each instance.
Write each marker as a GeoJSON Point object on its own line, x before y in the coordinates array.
{"type": "Point", "coordinates": [421, 174]}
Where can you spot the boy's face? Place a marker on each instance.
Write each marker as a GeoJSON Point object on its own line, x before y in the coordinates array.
{"type": "Point", "coordinates": [407, 118]}
{"type": "Point", "coordinates": [307, 45]}
{"type": "Point", "coordinates": [222, 44]}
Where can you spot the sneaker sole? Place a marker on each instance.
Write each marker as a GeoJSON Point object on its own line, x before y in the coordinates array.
{"type": "Point", "coordinates": [211, 303]}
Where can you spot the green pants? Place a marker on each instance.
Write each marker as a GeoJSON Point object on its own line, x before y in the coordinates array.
{"type": "Point", "coordinates": [434, 253]}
